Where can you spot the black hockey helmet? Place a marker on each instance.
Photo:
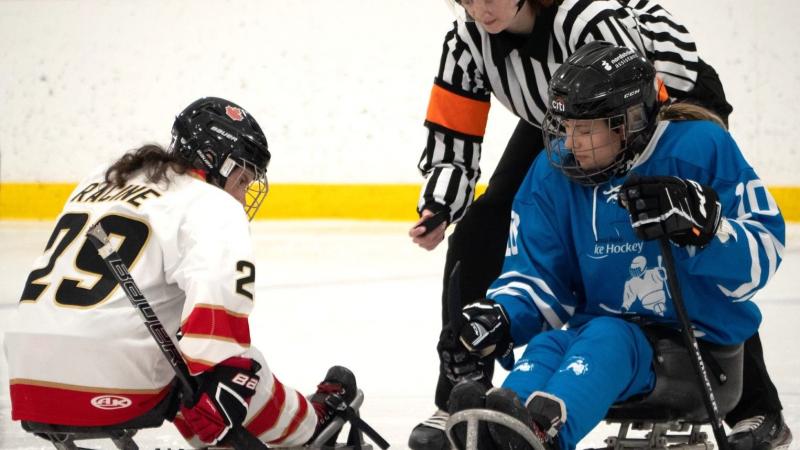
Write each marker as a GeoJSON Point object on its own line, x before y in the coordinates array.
{"type": "Point", "coordinates": [215, 135]}
{"type": "Point", "coordinates": [602, 81]}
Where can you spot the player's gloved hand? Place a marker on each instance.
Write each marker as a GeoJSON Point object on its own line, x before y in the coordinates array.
{"type": "Point", "coordinates": [221, 399]}
{"type": "Point", "coordinates": [487, 331]}
{"type": "Point", "coordinates": [683, 210]}
{"type": "Point", "coordinates": [457, 362]}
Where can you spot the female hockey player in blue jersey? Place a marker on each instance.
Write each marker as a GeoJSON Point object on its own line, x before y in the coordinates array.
{"type": "Point", "coordinates": [576, 258]}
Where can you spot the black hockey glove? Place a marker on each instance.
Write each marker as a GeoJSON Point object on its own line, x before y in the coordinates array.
{"type": "Point", "coordinates": [487, 331]}
{"type": "Point", "coordinates": [683, 210]}
{"type": "Point", "coordinates": [221, 399]}
{"type": "Point", "coordinates": [457, 362]}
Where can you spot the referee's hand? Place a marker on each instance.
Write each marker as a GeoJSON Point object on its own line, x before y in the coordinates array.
{"type": "Point", "coordinates": [427, 239]}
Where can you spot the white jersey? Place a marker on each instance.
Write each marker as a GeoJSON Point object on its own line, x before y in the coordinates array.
{"type": "Point", "coordinates": [187, 245]}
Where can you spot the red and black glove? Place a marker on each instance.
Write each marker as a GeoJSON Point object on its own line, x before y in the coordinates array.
{"type": "Point", "coordinates": [685, 211]}
{"type": "Point", "coordinates": [222, 398]}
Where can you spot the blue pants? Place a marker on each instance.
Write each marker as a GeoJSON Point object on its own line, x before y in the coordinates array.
{"type": "Point", "coordinates": [590, 367]}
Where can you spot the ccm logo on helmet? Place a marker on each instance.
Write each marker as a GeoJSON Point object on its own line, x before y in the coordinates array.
{"type": "Point", "coordinates": [631, 93]}
{"type": "Point", "coordinates": [111, 402]}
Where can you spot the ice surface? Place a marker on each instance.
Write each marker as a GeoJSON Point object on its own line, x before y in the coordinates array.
{"type": "Point", "coordinates": [362, 295]}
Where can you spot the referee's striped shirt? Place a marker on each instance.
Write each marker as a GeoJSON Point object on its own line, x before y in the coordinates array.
{"type": "Point", "coordinates": [517, 69]}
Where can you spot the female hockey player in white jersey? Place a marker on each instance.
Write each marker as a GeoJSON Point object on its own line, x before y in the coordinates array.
{"type": "Point", "coordinates": [575, 257]}
{"type": "Point", "coordinates": [78, 352]}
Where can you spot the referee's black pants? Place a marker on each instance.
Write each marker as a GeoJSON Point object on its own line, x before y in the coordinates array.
{"type": "Point", "coordinates": [479, 242]}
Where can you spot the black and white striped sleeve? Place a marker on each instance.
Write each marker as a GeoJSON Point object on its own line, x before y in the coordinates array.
{"type": "Point", "coordinates": [639, 24]}
{"type": "Point", "coordinates": [456, 122]}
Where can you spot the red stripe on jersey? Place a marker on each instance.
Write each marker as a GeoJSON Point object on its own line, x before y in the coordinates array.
{"type": "Point", "coordinates": [197, 366]}
{"type": "Point", "coordinates": [265, 419]}
{"type": "Point", "coordinates": [217, 322]}
{"type": "Point", "coordinates": [238, 362]}
{"type": "Point", "coordinates": [296, 420]}
{"type": "Point", "coordinates": [84, 407]}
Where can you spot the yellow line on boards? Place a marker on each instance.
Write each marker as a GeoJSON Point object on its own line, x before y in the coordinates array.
{"type": "Point", "coordinates": [394, 202]}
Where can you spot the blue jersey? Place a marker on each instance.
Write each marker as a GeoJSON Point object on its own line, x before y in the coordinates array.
{"type": "Point", "coordinates": [572, 254]}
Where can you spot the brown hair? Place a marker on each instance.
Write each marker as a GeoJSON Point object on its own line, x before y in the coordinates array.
{"type": "Point", "coordinates": [539, 5]}
{"type": "Point", "coordinates": [151, 158]}
{"type": "Point", "coordinates": [688, 111]}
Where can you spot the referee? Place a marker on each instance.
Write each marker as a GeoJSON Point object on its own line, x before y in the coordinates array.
{"type": "Point", "coordinates": [509, 49]}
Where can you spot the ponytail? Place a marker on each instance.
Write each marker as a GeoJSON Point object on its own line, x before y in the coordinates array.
{"type": "Point", "coordinates": [688, 111]}
{"type": "Point", "coordinates": [151, 158]}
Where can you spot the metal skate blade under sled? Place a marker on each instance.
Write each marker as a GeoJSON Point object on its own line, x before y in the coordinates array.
{"type": "Point", "coordinates": [657, 438]}
{"type": "Point", "coordinates": [355, 436]}
{"type": "Point", "coordinates": [473, 416]}
{"type": "Point", "coordinates": [660, 435]}
{"type": "Point", "coordinates": [63, 437]}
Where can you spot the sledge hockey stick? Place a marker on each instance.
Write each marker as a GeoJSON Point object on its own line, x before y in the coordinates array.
{"type": "Point", "coordinates": [691, 343]}
{"type": "Point", "coordinates": [455, 311]}
{"type": "Point", "coordinates": [454, 306]}
{"type": "Point", "coordinates": [455, 318]}
{"type": "Point", "coordinates": [240, 437]}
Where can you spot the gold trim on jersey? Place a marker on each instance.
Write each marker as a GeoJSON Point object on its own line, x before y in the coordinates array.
{"type": "Point", "coordinates": [227, 311]}
{"type": "Point", "coordinates": [267, 402]}
{"type": "Point", "coordinates": [201, 361]}
{"type": "Point", "coordinates": [78, 388]}
{"type": "Point", "coordinates": [215, 338]}
{"type": "Point", "coordinates": [117, 246]}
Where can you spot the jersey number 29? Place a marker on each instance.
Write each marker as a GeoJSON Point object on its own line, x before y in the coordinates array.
{"type": "Point", "coordinates": [72, 292]}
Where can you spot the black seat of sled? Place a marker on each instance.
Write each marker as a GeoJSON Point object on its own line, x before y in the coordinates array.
{"type": "Point", "coordinates": [677, 395]}
{"type": "Point", "coordinates": [64, 436]}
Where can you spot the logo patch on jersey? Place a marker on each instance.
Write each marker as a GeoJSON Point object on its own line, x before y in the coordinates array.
{"type": "Point", "coordinates": [108, 402]}
{"type": "Point", "coordinates": [647, 286]}
{"type": "Point", "coordinates": [603, 249]}
{"type": "Point", "coordinates": [578, 365]}
{"type": "Point", "coordinates": [523, 366]}
{"type": "Point", "coordinates": [234, 113]}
